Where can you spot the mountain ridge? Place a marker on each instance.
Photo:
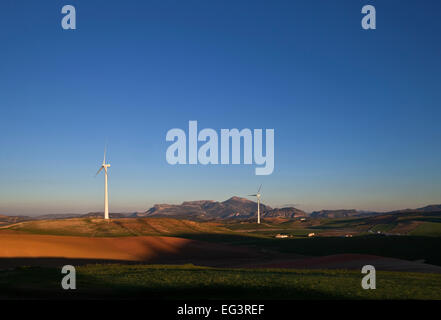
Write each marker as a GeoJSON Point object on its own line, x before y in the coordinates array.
{"type": "Point", "coordinates": [232, 208]}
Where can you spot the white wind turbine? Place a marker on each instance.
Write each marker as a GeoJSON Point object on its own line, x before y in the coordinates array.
{"type": "Point", "coordinates": [258, 203]}
{"type": "Point", "coordinates": [106, 196]}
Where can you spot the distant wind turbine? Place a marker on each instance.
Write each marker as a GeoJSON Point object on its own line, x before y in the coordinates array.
{"type": "Point", "coordinates": [106, 196]}
{"type": "Point", "coordinates": [258, 203]}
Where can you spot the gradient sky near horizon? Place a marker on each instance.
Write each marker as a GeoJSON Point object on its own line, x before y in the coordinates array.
{"type": "Point", "coordinates": [356, 113]}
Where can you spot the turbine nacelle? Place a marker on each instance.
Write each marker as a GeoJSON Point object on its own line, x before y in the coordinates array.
{"type": "Point", "coordinates": [105, 166]}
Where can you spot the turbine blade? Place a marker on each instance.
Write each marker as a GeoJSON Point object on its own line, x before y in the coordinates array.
{"type": "Point", "coordinates": [252, 195]}
{"type": "Point", "coordinates": [105, 149]}
{"type": "Point", "coordinates": [259, 188]}
{"type": "Point", "coordinates": [99, 170]}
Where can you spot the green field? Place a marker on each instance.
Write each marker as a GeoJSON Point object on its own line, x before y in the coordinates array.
{"type": "Point", "coordinates": [428, 229]}
{"type": "Point", "coordinates": [191, 282]}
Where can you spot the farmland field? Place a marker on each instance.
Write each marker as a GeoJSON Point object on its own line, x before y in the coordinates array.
{"type": "Point", "coordinates": [192, 282]}
{"type": "Point", "coordinates": [166, 258]}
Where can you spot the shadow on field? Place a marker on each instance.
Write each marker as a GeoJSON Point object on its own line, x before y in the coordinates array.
{"type": "Point", "coordinates": [49, 250]}
{"type": "Point", "coordinates": [11, 263]}
{"type": "Point", "coordinates": [219, 250]}
{"type": "Point", "coordinates": [45, 283]}
{"type": "Point", "coordinates": [401, 247]}
{"type": "Point", "coordinates": [40, 277]}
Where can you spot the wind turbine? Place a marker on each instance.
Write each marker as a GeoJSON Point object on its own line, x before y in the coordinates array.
{"type": "Point", "coordinates": [106, 196]}
{"type": "Point", "coordinates": [258, 203]}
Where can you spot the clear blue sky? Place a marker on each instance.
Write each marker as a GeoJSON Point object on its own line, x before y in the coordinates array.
{"type": "Point", "coordinates": [356, 113]}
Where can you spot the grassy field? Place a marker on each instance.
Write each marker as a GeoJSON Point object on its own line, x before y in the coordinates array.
{"type": "Point", "coordinates": [428, 229]}
{"type": "Point", "coordinates": [191, 282]}
{"type": "Point", "coordinates": [94, 227]}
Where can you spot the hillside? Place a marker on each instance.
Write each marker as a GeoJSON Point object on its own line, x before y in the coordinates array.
{"type": "Point", "coordinates": [403, 223]}
{"type": "Point", "coordinates": [429, 208]}
{"type": "Point", "coordinates": [341, 213]}
{"type": "Point", "coordinates": [101, 214]}
{"type": "Point", "coordinates": [287, 212]}
{"type": "Point", "coordinates": [4, 220]}
{"type": "Point", "coordinates": [98, 227]}
{"type": "Point", "coordinates": [345, 213]}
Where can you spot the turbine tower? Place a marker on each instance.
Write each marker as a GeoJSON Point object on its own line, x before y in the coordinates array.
{"type": "Point", "coordinates": [106, 195]}
{"type": "Point", "coordinates": [258, 203]}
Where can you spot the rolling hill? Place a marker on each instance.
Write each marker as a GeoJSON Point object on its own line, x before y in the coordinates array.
{"type": "Point", "coordinates": [346, 213]}
{"type": "Point", "coordinates": [4, 219]}
{"type": "Point", "coordinates": [429, 208]}
{"type": "Point", "coordinates": [98, 227]}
